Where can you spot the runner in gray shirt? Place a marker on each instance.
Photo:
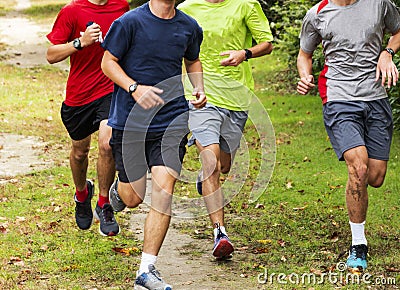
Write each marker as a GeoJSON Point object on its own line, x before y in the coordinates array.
{"type": "Point", "coordinates": [357, 114]}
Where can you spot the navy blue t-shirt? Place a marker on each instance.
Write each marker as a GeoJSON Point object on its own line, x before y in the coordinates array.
{"type": "Point", "coordinates": [150, 50]}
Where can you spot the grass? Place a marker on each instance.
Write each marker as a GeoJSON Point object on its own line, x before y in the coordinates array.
{"type": "Point", "coordinates": [7, 6]}
{"type": "Point", "coordinates": [44, 11]}
{"type": "Point", "coordinates": [299, 225]}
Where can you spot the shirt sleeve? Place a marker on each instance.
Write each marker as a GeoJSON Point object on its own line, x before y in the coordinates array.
{"type": "Point", "coordinates": [118, 40]}
{"type": "Point", "coordinates": [193, 50]}
{"type": "Point", "coordinates": [258, 24]}
{"type": "Point", "coordinates": [309, 36]}
{"type": "Point", "coordinates": [63, 27]}
{"type": "Point", "coordinates": [392, 17]}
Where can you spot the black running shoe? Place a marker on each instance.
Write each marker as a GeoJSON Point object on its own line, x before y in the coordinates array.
{"type": "Point", "coordinates": [83, 210]}
{"type": "Point", "coordinates": [108, 224]}
{"type": "Point", "coordinates": [115, 200]}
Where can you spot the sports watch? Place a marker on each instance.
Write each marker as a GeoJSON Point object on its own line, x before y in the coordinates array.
{"type": "Point", "coordinates": [248, 54]}
{"type": "Point", "coordinates": [390, 51]}
{"type": "Point", "coordinates": [77, 44]}
{"type": "Point", "coordinates": [132, 88]}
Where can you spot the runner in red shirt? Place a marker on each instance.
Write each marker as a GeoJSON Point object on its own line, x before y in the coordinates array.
{"type": "Point", "coordinates": [77, 33]}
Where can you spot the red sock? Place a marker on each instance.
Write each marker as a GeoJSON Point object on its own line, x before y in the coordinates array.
{"type": "Point", "coordinates": [81, 195]}
{"type": "Point", "coordinates": [103, 200]}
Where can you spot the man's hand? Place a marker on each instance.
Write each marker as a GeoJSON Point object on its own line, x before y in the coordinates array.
{"type": "Point", "coordinates": [91, 35]}
{"type": "Point", "coordinates": [305, 84]}
{"type": "Point", "coordinates": [201, 99]}
{"type": "Point", "coordinates": [235, 58]}
{"type": "Point", "coordinates": [387, 69]}
{"type": "Point", "coordinates": [148, 97]}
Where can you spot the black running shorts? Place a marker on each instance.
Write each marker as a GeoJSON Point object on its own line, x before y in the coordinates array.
{"type": "Point", "coordinates": [82, 121]}
{"type": "Point", "coordinates": [136, 152]}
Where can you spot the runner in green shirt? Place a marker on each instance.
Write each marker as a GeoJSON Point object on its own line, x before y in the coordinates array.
{"type": "Point", "coordinates": [229, 28]}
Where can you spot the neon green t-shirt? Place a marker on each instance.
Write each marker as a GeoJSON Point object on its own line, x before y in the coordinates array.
{"type": "Point", "coordinates": [228, 25]}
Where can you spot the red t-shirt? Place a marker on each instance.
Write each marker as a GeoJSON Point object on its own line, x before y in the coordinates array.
{"type": "Point", "coordinates": [86, 81]}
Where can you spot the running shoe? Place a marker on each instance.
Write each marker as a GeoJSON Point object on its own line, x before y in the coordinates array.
{"type": "Point", "coordinates": [115, 200]}
{"type": "Point", "coordinates": [223, 247]}
{"type": "Point", "coordinates": [108, 224]}
{"type": "Point", "coordinates": [357, 259]}
{"type": "Point", "coordinates": [83, 210]}
{"type": "Point", "coordinates": [151, 280]}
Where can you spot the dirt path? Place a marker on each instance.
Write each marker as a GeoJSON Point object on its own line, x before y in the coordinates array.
{"type": "Point", "coordinates": [26, 46]}
{"type": "Point", "coordinates": [26, 41]}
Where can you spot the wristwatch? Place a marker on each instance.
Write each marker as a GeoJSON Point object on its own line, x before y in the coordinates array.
{"type": "Point", "coordinates": [132, 88]}
{"type": "Point", "coordinates": [390, 51]}
{"type": "Point", "coordinates": [248, 54]}
{"type": "Point", "coordinates": [77, 44]}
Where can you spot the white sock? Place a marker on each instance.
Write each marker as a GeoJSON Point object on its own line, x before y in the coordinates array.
{"type": "Point", "coordinates": [222, 228]}
{"type": "Point", "coordinates": [357, 234]}
{"type": "Point", "coordinates": [146, 260]}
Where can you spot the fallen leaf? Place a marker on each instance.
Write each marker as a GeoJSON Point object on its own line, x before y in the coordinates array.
{"type": "Point", "coordinates": [300, 208]}
{"type": "Point", "coordinates": [392, 269]}
{"type": "Point", "coordinates": [261, 250]}
{"type": "Point", "coordinates": [264, 241]}
{"type": "Point", "coordinates": [316, 271]}
{"type": "Point", "coordinates": [281, 243]}
{"type": "Point", "coordinates": [126, 251]}
{"type": "Point", "coordinates": [259, 206]}
{"type": "Point", "coordinates": [335, 237]}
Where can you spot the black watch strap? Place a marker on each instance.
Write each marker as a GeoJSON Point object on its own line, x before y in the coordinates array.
{"type": "Point", "coordinates": [248, 54]}
{"type": "Point", "coordinates": [391, 51]}
{"type": "Point", "coordinates": [132, 88]}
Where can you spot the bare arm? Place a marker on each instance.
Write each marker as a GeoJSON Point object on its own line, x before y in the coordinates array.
{"type": "Point", "coordinates": [236, 57]}
{"type": "Point", "coordinates": [386, 67]}
{"type": "Point", "coordinates": [59, 52]}
{"type": "Point", "coordinates": [304, 67]}
{"type": "Point", "coordinates": [146, 96]}
{"type": "Point", "coordinates": [195, 73]}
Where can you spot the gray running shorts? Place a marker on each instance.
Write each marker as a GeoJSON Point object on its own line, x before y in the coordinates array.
{"type": "Point", "coordinates": [215, 125]}
{"type": "Point", "coordinates": [350, 124]}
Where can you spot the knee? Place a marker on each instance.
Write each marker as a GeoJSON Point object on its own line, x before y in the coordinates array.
{"type": "Point", "coordinates": [211, 168]}
{"type": "Point", "coordinates": [225, 168]}
{"type": "Point", "coordinates": [376, 181]}
{"type": "Point", "coordinates": [129, 196]}
{"type": "Point", "coordinates": [105, 148]}
{"type": "Point", "coordinates": [79, 154]}
{"type": "Point", "coordinates": [359, 173]}
{"type": "Point", "coordinates": [132, 200]}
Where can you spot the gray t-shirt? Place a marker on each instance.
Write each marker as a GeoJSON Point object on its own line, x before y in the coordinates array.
{"type": "Point", "coordinates": [351, 38]}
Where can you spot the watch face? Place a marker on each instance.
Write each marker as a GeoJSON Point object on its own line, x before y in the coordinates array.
{"type": "Point", "coordinates": [132, 88]}
{"type": "Point", "coordinates": [77, 43]}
